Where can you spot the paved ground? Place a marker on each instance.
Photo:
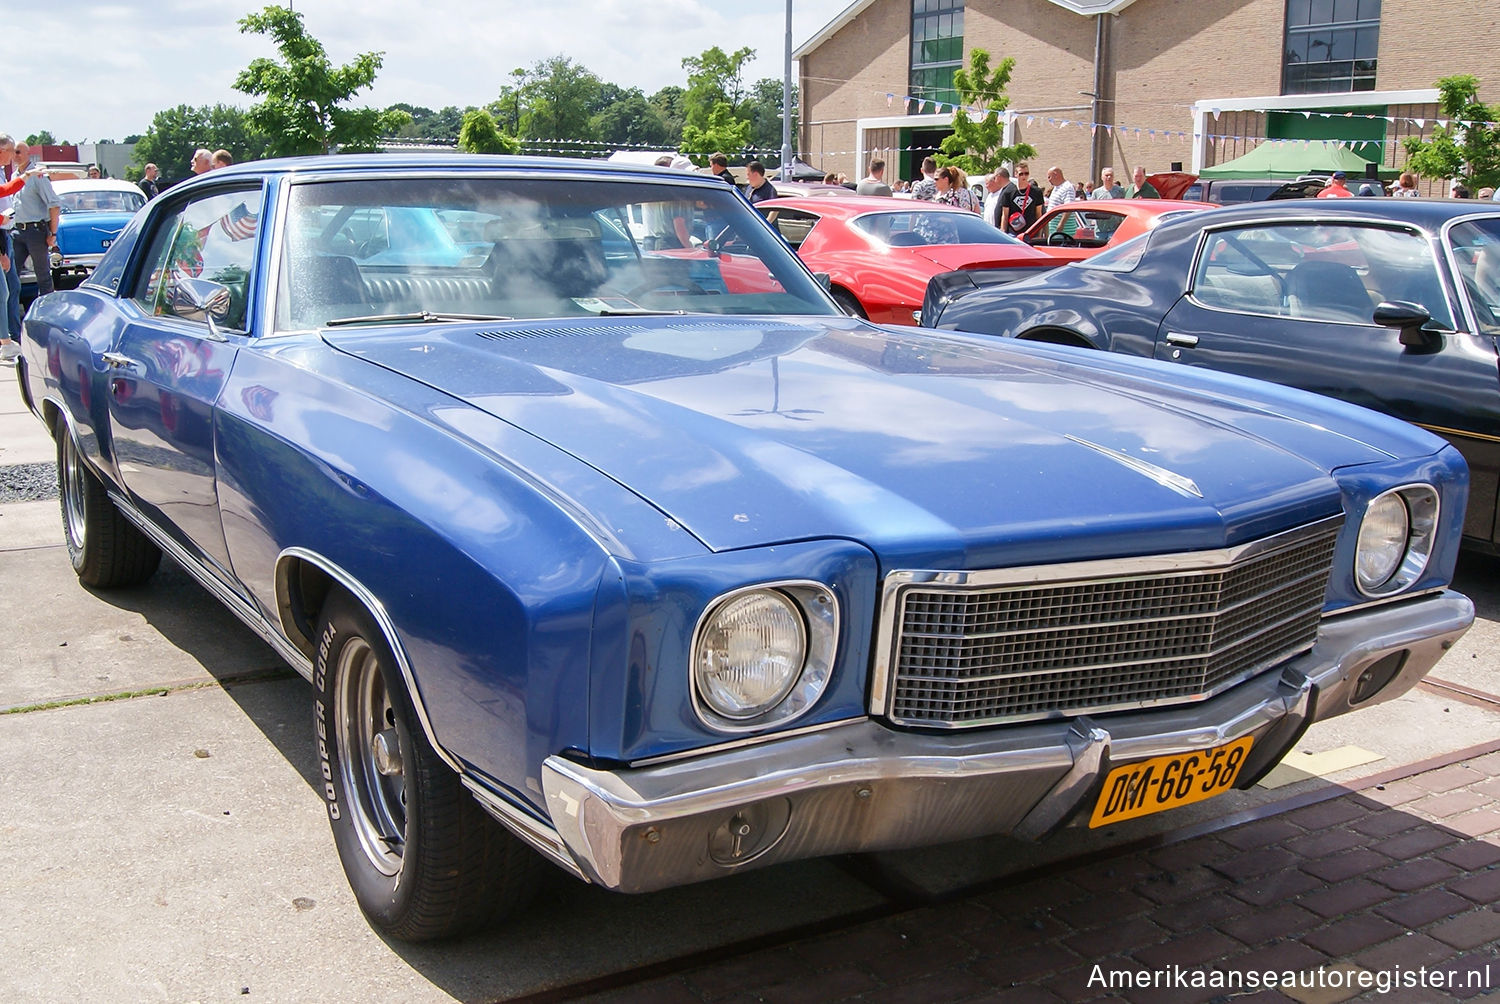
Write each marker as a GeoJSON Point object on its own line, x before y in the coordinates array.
{"type": "Point", "coordinates": [165, 841]}
{"type": "Point", "coordinates": [1398, 883]}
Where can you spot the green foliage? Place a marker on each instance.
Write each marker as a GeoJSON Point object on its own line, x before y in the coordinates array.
{"type": "Point", "coordinates": [975, 146]}
{"type": "Point", "coordinates": [558, 100]}
{"type": "Point", "coordinates": [425, 123]}
{"type": "Point", "coordinates": [631, 120]}
{"type": "Point", "coordinates": [43, 138]}
{"type": "Point", "coordinates": [669, 102]}
{"type": "Point", "coordinates": [304, 108]}
{"type": "Point", "coordinates": [1470, 153]}
{"type": "Point", "coordinates": [480, 134]}
{"type": "Point", "coordinates": [763, 108]}
{"type": "Point", "coordinates": [724, 131]}
{"type": "Point", "coordinates": [176, 132]}
{"type": "Point", "coordinates": [713, 80]}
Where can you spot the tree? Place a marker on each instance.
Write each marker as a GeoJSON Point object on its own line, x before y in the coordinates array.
{"type": "Point", "coordinates": [1468, 148]}
{"type": "Point", "coordinates": [43, 138]}
{"type": "Point", "coordinates": [724, 131]}
{"type": "Point", "coordinates": [763, 108]}
{"type": "Point", "coordinates": [176, 132]}
{"type": "Point", "coordinates": [975, 146]}
{"type": "Point", "coordinates": [668, 101]}
{"type": "Point", "coordinates": [479, 134]}
{"type": "Point", "coordinates": [304, 110]}
{"type": "Point", "coordinates": [558, 100]}
{"type": "Point", "coordinates": [631, 120]}
{"type": "Point", "coordinates": [714, 79]}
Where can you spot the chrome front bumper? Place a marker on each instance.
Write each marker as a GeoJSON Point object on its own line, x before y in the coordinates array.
{"type": "Point", "coordinates": [861, 786]}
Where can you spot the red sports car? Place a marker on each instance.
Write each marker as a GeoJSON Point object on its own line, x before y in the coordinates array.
{"type": "Point", "coordinates": [879, 253]}
{"type": "Point", "coordinates": [1078, 230]}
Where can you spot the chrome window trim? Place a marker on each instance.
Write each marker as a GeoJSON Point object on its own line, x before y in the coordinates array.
{"type": "Point", "coordinates": [896, 583]}
{"type": "Point", "coordinates": [1435, 246]}
{"type": "Point", "coordinates": [1471, 316]}
{"type": "Point", "coordinates": [817, 666]}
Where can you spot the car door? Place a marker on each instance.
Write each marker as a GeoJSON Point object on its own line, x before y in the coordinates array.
{"type": "Point", "coordinates": [172, 356]}
{"type": "Point", "coordinates": [1293, 303]}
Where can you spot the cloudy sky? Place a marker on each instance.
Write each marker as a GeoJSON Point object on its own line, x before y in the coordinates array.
{"type": "Point", "coordinates": [100, 69]}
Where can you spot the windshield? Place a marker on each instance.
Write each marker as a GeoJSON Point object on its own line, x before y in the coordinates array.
{"type": "Point", "coordinates": [920, 227]}
{"type": "Point", "coordinates": [101, 200]}
{"type": "Point", "coordinates": [1476, 253]}
{"type": "Point", "coordinates": [420, 249]}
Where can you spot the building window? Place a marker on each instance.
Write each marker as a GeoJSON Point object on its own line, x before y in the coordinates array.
{"type": "Point", "coordinates": [937, 49]}
{"type": "Point", "coordinates": [1330, 46]}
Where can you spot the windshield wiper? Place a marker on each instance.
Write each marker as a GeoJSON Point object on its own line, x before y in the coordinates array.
{"type": "Point", "coordinates": [638, 312]}
{"type": "Point", "coordinates": [420, 317]}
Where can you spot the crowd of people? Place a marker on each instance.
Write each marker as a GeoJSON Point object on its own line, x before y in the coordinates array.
{"type": "Point", "coordinates": [29, 211]}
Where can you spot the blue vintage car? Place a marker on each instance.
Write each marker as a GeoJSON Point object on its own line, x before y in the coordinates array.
{"type": "Point", "coordinates": [651, 563]}
{"type": "Point", "coordinates": [93, 213]}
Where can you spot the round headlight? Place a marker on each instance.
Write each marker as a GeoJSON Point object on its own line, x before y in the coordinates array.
{"type": "Point", "coordinates": [750, 653]}
{"type": "Point", "coordinates": [1382, 541]}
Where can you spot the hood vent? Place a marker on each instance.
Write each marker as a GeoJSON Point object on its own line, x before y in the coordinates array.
{"type": "Point", "coordinates": [620, 327]}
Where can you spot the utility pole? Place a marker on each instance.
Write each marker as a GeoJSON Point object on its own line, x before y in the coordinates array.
{"type": "Point", "coordinates": [786, 101]}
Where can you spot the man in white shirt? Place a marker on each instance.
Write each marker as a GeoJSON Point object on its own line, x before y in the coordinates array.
{"type": "Point", "coordinates": [1063, 190]}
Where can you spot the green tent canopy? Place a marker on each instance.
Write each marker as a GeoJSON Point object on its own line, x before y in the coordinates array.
{"type": "Point", "coordinates": [1292, 160]}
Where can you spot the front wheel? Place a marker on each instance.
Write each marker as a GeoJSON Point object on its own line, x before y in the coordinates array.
{"type": "Point", "coordinates": [423, 859]}
{"type": "Point", "coordinates": [106, 549]}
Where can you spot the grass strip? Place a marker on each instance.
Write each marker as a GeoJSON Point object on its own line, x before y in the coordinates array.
{"type": "Point", "coordinates": [160, 690]}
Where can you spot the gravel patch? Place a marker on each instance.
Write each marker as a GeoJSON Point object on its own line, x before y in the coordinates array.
{"type": "Point", "coordinates": [28, 482]}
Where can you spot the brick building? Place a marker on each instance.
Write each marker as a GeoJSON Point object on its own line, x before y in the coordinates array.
{"type": "Point", "coordinates": [1151, 82]}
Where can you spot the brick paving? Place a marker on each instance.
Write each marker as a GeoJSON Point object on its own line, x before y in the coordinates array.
{"type": "Point", "coordinates": [1379, 881]}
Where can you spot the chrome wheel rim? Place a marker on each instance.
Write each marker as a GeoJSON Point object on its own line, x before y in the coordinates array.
{"type": "Point", "coordinates": [72, 475]}
{"type": "Point", "coordinates": [372, 757]}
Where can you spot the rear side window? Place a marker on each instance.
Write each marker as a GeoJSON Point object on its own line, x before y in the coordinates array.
{"type": "Point", "coordinates": [1120, 258]}
{"type": "Point", "coordinates": [1318, 272]}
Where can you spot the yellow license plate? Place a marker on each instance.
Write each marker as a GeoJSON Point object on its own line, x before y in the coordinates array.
{"type": "Point", "coordinates": [1165, 782]}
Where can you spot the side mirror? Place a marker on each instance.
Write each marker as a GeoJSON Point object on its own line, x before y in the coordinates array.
{"type": "Point", "coordinates": [1411, 318]}
{"type": "Point", "coordinates": [825, 280]}
{"type": "Point", "coordinates": [200, 300]}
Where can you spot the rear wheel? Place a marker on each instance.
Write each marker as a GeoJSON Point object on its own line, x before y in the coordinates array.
{"type": "Point", "coordinates": [849, 304]}
{"type": "Point", "coordinates": [106, 549]}
{"type": "Point", "coordinates": [423, 859]}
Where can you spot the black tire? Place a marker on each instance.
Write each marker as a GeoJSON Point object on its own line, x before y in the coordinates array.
{"type": "Point", "coordinates": [849, 305]}
{"type": "Point", "coordinates": [106, 549]}
{"type": "Point", "coordinates": [424, 860]}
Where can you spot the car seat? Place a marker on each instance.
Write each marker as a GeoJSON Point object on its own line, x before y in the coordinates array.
{"type": "Point", "coordinates": [321, 287]}
{"type": "Point", "coordinates": [1328, 291]}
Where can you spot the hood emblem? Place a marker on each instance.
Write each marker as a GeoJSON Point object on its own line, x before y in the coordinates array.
{"type": "Point", "coordinates": [1167, 479]}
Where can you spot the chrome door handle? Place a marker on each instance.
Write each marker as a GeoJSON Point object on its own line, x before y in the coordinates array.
{"type": "Point", "coordinates": [1186, 341]}
{"type": "Point", "coordinates": [116, 361]}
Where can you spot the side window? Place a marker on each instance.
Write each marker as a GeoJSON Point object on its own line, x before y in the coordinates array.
{"type": "Point", "coordinates": [208, 240]}
{"type": "Point", "coordinates": [1318, 272]}
{"type": "Point", "coordinates": [794, 224]}
{"type": "Point", "coordinates": [1235, 272]}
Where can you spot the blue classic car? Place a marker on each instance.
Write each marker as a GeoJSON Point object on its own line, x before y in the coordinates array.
{"type": "Point", "coordinates": [94, 212]}
{"type": "Point", "coordinates": [651, 563]}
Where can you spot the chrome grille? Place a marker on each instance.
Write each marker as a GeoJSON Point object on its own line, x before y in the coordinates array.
{"type": "Point", "coordinates": [971, 649]}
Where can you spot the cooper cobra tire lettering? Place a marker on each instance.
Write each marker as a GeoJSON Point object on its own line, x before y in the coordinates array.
{"type": "Point", "coordinates": [320, 678]}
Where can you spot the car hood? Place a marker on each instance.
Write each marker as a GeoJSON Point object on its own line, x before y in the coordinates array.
{"type": "Point", "coordinates": [948, 257]}
{"type": "Point", "coordinates": [933, 450]}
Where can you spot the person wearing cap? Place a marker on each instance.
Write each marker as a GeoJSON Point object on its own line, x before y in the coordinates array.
{"type": "Point", "coordinates": [1336, 189]}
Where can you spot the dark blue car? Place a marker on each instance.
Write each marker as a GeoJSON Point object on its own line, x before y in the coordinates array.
{"type": "Point", "coordinates": [1393, 304]}
{"type": "Point", "coordinates": [651, 563]}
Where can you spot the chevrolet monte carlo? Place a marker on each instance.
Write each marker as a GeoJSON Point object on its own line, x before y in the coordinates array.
{"type": "Point", "coordinates": [657, 566]}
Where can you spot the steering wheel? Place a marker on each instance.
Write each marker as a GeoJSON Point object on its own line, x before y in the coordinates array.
{"type": "Point", "coordinates": [1061, 240]}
